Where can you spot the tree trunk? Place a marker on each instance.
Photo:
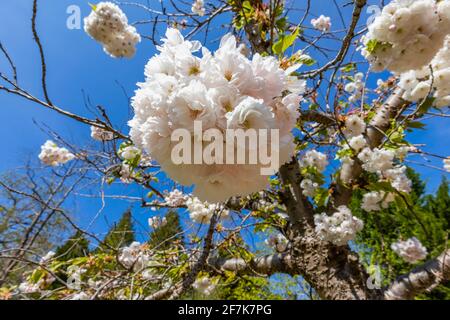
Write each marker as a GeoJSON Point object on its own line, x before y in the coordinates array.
{"type": "Point", "coordinates": [334, 272]}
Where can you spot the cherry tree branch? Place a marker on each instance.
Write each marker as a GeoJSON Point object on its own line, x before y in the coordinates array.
{"type": "Point", "coordinates": [375, 134]}
{"type": "Point", "coordinates": [266, 265]}
{"type": "Point", "coordinates": [41, 53]}
{"type": "Point", "coordinates": [421, 279]}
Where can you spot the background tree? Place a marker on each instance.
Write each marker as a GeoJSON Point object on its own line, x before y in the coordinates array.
{"type": "Point", "coordinates": [32, 219]}
{"type": "Point", "coordinates": [169, 235]}
{"type": "Point", "coordinates": [427, 218]}
{"type": "Point", "coordinates": [76, 246]}
{"type": "Point", "coordinates": [120, 235]}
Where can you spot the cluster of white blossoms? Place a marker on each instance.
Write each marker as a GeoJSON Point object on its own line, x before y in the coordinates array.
{"type": "Point", "coordinates": [157, 222]}
{"type": "Point", "coordinates": [447, 164]}
{"type": "Point", "coordinates": [279, 242]}
{"type": "Point", "coordinates": [202, 212]}
{"type": "Point", "coordinates": [410, 250]}
{"type": "Point", "coordinates": [130, 152]}
{"type": "Point", "coordinates": [198, 8]}
{"type": "Point", "coordinates": [356, 87]}
{"type": "Point", "coordinates": [399, 180]}
{"type": "Point", "coordinates": [224, 90]}
{"type": "Point", "coordinates": [52, 155]}
{"type": "Point", "coordinates": [175, 198]}
{"type": "Point", "coordinates": [418, 84]}
{"type": "Point", "coordinates": [338, 228]}
{"type": "Point", "coordinates": [376, 160]}
{"type": "Point", "coordinates": [322, 23]}
{"type": "Point", "coordinates": [313, 158]}
{"type": "Point", "coordinates": [318, 161]}
{"type": "Point", "coordinates": [381, 162]}
{"type": "Point", "coordinates": [355, 127]}
{"type": "Point", "coordinates": [135, 257]}
{"type": "Point", "coordinates": [406, 35]}
{"type": "Point", "coordinates": [357, 143]}
{"type": "Point", "coordinates": [49, 256]}
{"type": "Point", "coordinates": [376, 200]}
{"type": "Point", "coordinates": [204, 286]}
{"type": "Point", "coordinates": [80, 296]}
{"type": "Point", "coordinates": [309, 187]}
{"type": "Point", "coordinates": [28, 287]}
{"type": "Point", "coordinates": [126, 173]}
{"type": "Point", "coordinates": [100, 134]}
{"type": "Point", "coordinates": [108, 25]}
{"type": "Point", "coordinates": [75, 273]}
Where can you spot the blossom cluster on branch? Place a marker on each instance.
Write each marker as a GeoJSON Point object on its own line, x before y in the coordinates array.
{"type": "Point", "coordinates": [202, 212]}
{"type": "Point", "coordinates": [108, 25]}
{"type": "Point", "coordinates": [410, 250]}
{"type": "Point", "coordinates": [224, 90]}
{"type": "Point", "coordinates": [435, 79]}
{"type": "Point", "coordinates": [198, 8]}
{"type": "Point", "coordinates": [406, 35]}
{"type": "Point", "coordinates": [100, 134]}
{"type": "Point", "coordinates": [52, 155]}
{"type": "Point", "coordinates": [322, 23]}
{"type": "Point", "coordinates": [339, 228]}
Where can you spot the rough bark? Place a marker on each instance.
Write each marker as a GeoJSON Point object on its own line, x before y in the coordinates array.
{"type": "Point", "coordinates": [334, 272]}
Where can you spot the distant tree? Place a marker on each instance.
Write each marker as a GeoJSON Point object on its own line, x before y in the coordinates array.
{"type": "Point", "coordinates": [169, 234]}
{"type": "Point", "coordinates": [427, 218]}
{"type": "Point", "coordinates": [29, 226]}
{"type": "Point", "coordinates": [75, 247]}
{"type": "Point", "coordinates": [120, 235]}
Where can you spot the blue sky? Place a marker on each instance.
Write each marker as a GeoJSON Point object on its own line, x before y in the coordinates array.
{"type": "Point", "coordinates": [76, 63]}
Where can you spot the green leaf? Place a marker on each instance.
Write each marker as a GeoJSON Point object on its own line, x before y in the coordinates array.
{"type": "Point", "coordinates": [416, 125]}
{"type": "Point", "coordinates": [321, 197]}
{"type": "Point", "coordinates": [37, 275]}
{"type": "Point", "coordinates": [348, 68]}
{"type": "Point", "coordinates": [375, 45]}
{"type": "Point", "coordinates": [426, 105]}
{"type": "Point", "coordinates": [281, 23]}
{"type": "Point", "coordinates": [246, 5]}
{"type": "Point", "coordinates": [285, 41]}
{"type": "Point", "coordinates": [93, 6]}
{"type": "Point", "coordinates": [308, 61]}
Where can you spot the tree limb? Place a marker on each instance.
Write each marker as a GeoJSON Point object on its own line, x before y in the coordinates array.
{"type": "Point", "coordinates": [421, 279]}
{"type": "Point", "coordinates": [266, 265]}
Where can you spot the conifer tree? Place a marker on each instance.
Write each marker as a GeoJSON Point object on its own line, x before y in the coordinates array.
{"type": "Point", "coordinates": [426, 217]}
{"type": "Point", "coordinates": [169, 234]}
{"type": "Point", "coordinates": [75, 247]}
{"type": "Point", "coordinates": [120, 235]}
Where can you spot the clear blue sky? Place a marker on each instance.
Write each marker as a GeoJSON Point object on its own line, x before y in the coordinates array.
{"type": "Point", "coordinates": [76, 63]}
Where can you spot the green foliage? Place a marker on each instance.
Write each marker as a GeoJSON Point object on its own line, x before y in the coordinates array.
{"type": "Point", "coordinates": [349, 67]}
{"type": "Point", "coordinates": [427, 217]}
{"type": "Point", "coordinates": [285, 41]}
{"type": "Point", "coordinates": [374, 45]}
{"type": "Point", "coordinates": [166, 236]}
{"type": "Point", "coordinates": [120, 235]}
{"type": "Point", "coordinates": [76, 246]}
{"type": "Point", "coordinates": [246, 288]}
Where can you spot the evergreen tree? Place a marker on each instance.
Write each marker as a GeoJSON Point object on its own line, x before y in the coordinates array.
{"type": "Point", "coordinates": [168, 235]}
{"type": "Point", "coordinates": [77, 246]}
{"type": "Point", "coordinates": [120, 235]}
{"type": "Point", "coordinates": [425, 217]}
